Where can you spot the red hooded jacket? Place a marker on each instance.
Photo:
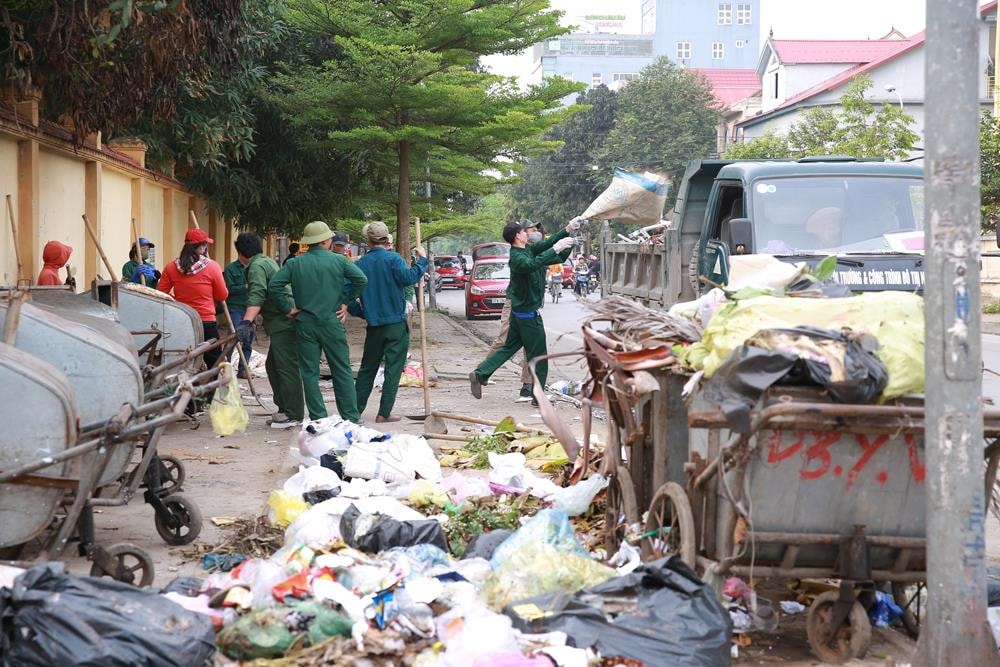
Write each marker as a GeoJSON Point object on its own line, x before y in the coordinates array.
{"type": "Point", "coordinates": [54, 255]}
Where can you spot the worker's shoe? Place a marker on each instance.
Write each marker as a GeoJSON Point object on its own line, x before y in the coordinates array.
{"type": "Point", "coordinates": [534, 402]}
{"type": "Point", "coordinates": [526, 394]}
{"type": "Point", "coordinates": [282, 422]}
{"type": "Point", "coordinates": [475, 386]}
{"type": "Point", "coordinates": [382, 420]}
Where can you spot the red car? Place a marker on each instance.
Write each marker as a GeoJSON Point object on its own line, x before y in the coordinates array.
{"type": "Point", "coordinates": [449, 271]}
{"type": "Point", "coordinates": [486, 288]}
{"type": "Point", "coordinates": [491, 249]}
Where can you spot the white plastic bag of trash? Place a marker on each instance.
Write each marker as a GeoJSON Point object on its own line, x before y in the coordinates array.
{"type": "Point", "coordinates": [576, 499]}
{"type": "Point", "coordinates": [313, 478]}
{"type": "Point", "coordinates": [398, 459]}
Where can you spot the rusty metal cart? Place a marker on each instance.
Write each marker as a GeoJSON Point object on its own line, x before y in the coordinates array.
{"type": "Point", "coordinates": [813, 490]}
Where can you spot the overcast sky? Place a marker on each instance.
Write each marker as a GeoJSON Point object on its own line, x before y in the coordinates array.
{"type": "Point", "coordinates": [790, 19]}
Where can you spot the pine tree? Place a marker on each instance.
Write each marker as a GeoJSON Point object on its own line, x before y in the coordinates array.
{"type": "Point", "coordinates": [405, 98]}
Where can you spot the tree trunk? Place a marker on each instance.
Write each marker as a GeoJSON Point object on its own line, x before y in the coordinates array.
{"type": "Point", "coordinates": [403, 206]}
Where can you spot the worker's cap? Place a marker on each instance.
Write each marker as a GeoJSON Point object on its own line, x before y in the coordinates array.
{"type": "Point", "coordinates": [341, 238]}
{"type": "Point", "coordinates": [376, 231]}
{"type": "Point", "coordinates": [143, 241]}
{"type": "Point", "coordinates": [511, 230]}
{"type": "Point", "coordinates": [315, 232]}
{"type": "Point", "coordinates": [528, 225]}
{"type": "Point", "coordinates": [195, 237]}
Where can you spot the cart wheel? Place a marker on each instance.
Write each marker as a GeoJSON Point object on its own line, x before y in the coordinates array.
{"type": "Point", "coordinates": [912, 598]}
{"type": "Point", "coordinates": [845, 643]}
{"type": "Point", "coordinates": [183, 523]}
{"type": "Point", "coordinates": [669, 526]}
{"type": "Point", "coordinates": [621, 511]}
{"type": "Point", "coordinates": [132, 565]}
{"type": "Point", "coordinates": [172, 474]}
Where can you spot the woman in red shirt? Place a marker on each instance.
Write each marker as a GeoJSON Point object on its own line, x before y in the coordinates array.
{"type": "Point", "coordinates": [196, 280]}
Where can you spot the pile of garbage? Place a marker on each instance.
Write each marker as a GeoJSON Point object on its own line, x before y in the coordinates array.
{"type": "Point", "coordinates": [385, 557]}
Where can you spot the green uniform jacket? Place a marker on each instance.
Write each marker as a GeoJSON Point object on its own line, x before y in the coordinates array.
{"type": "Point", "coordinates": [260, 270]}
{"type": "Point", "coordinates": [317, 280]}
{"type": "Point", "coordinates": [526, 292]}
{"type": "Point", "coordinates": [129, 267]}
{"type": "Point", "coordinates": [235, 275]}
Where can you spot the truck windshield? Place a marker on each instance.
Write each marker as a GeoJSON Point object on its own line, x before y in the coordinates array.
{"type": "Point", "coordinates": [838, 214]}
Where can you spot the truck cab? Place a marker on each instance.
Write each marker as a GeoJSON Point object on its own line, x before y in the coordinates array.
{"type": "Point", "coordinates": [867, 213]}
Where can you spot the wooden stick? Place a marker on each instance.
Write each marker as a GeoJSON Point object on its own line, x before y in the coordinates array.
{"type": "Point", "coordinates": [423, 331]}
{"type": "Point", "coordinates": [444, 436]}
{"type": "Point", "coordinates": [232, 327]}
{"type": "Point", "coordinates": [138, 254]}
{"type": "Point", "coordinates": [17, 245]}
{"type": "Point", "coordinates": [97, 242]}
{"type": "Point", "coordinates": [487, 422]}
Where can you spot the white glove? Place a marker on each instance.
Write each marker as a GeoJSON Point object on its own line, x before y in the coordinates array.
{"type": "Point", "coordinates": [562, 244]}
{"type": "Point", "coordinates": [409, 308]}
{"type": "Point", "coordinates": [574, 224]}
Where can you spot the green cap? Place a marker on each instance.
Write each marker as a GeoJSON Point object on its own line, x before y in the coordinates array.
{"type": "Point", "coordinates": [315, 232]}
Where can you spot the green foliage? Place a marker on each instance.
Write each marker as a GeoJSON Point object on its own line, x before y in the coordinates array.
{"type": "Point", "coordinates": [557, 186]}
{"type": "Point", "coordinates": [989, 166]}
{"type": "Point", "coordinates": [402, 89]}
{"type": "Point", "coordinates": [825, 269]}
{"type": "Point", "coordinates": [665, 118]}
{"type": "Point", "coordinates": [858, 128]}
{"type": "Point", "coordinates": [768, 146]}
{"type": "Point", "coordinates": [991, 308]}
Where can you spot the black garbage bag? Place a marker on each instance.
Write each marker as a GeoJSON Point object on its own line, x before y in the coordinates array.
{"type": "Point", "coordinates": [484, 544]}
{"type": "Point", "coordinates": [845, 366]}
{"type": "Point", "coordinates": [51, 618]}
{"type": "Point", "coordinates": [385, 533]}
{"type": "Point", "coordinates": [661, 614]}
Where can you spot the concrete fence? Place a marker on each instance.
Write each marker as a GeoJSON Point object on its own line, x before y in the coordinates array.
{"type": "Point", "coordinates": [53, 182]}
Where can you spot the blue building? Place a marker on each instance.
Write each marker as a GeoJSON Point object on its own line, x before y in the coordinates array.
{"type": "Point", "coordinates": [705, 33]}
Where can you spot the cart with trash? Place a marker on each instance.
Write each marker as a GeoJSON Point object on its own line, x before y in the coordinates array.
{"type": "Point", "coordinates": [792, 484]}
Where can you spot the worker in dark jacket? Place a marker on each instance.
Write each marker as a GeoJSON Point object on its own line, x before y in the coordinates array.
{"type": "Point", "coordinates": [383, 306]}
{"type": "Point", "coordinates": [282, 363]}
{"type": "Point", "coordinates": [317, 278]}
{"type": "Point", "coordinates": [526, 293]}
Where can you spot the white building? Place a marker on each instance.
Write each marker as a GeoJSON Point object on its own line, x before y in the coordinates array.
{"type": "Point", "coordinates": [797, 75]}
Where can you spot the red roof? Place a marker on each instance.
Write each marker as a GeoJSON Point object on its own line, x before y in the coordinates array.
{"type": "Point", "coordinates": [830, 51]}
{"type": "Point", "coordinates": [731, 85]}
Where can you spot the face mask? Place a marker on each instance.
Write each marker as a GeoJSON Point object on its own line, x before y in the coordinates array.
{"type": "Point", "coordinates": [145, 255]}
{"type": "Point", "coordinates": [534, 237]}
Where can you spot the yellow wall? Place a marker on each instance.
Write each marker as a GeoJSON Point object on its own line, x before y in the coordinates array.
{"type": "Point", "coordinates": [61, 210]}
{"type": "Point", "coordinates": [8, 186]}
{"type": "Point", "coordinates": [52, 183]}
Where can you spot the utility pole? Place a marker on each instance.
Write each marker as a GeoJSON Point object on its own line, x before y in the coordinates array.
{"type": "Point", "coordinates": [955, 630]}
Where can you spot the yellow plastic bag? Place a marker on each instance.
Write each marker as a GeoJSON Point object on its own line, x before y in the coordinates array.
{"type": "Point", "coordinates": [285, 508]}
{"type": "Point", "coordinates": [227, 412]}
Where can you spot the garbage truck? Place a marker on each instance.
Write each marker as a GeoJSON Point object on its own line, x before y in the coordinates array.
{"type": "Point", "coordinates": [868, 213]}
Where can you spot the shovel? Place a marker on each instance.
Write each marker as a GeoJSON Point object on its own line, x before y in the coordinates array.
{"type": "Point", "coordinates": [432, 423]}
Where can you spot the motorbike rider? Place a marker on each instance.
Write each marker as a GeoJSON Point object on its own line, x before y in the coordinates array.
{"type": "Point", "coordinates": [581, 275]}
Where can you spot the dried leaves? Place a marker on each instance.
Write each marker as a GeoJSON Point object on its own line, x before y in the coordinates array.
{"type": "Point", "coordinates": [644, 327]}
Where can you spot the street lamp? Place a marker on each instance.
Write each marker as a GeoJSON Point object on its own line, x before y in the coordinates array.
{"type": "Point", "coordinates": [892, 89]}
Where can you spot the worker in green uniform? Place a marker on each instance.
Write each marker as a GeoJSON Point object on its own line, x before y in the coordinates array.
{"type": "Point", "coordinates": [134, 267]}
{"type": "Point", "coordinates": [526, 293]}
{"type": "Point", "coordinates": [383, 306]}
{"type": "Point", "coordinates": [317, 281]}
{"type": "Point", "coordinates": [282, 355]}
{"type": "Point", "coordinates": [235, 275]}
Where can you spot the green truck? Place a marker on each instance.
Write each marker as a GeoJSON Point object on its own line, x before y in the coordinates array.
{"type": "Point", "coordinates": [868, 213]}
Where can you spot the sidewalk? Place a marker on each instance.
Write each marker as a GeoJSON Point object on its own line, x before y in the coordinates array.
{"type": "Point", "coordinates": [991, 324]}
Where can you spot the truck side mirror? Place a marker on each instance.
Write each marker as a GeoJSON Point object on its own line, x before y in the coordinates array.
{"type": "Point", "coordinates": [741, 236]}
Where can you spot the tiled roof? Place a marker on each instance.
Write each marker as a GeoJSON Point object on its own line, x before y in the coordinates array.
{"type": "Point", "coordinates": [730, 85]}
{"type": "Point", "coordinates": [832, 51]}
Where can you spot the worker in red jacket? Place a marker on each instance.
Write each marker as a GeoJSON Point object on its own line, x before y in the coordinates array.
{"type": "Point", "coordinates": [196, 280]}
{"type": "Point", "coordinates": [54, 255]}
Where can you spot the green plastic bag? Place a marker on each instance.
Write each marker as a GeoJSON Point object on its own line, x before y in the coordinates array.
{"type": "Point", "coordinates": [227, 412]}
{"type": "Point", "coordinates": [267, 634]}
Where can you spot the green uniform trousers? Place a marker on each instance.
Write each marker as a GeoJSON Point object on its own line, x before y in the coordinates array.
{"type": "Point", "coordinates": [282, 367]}
{"type": "Point", "coordinates": [391, 343]}
{"type": "Point", "coordinates": [526, 332]}
{"type": "Point", "coordinates": [330, 338]}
